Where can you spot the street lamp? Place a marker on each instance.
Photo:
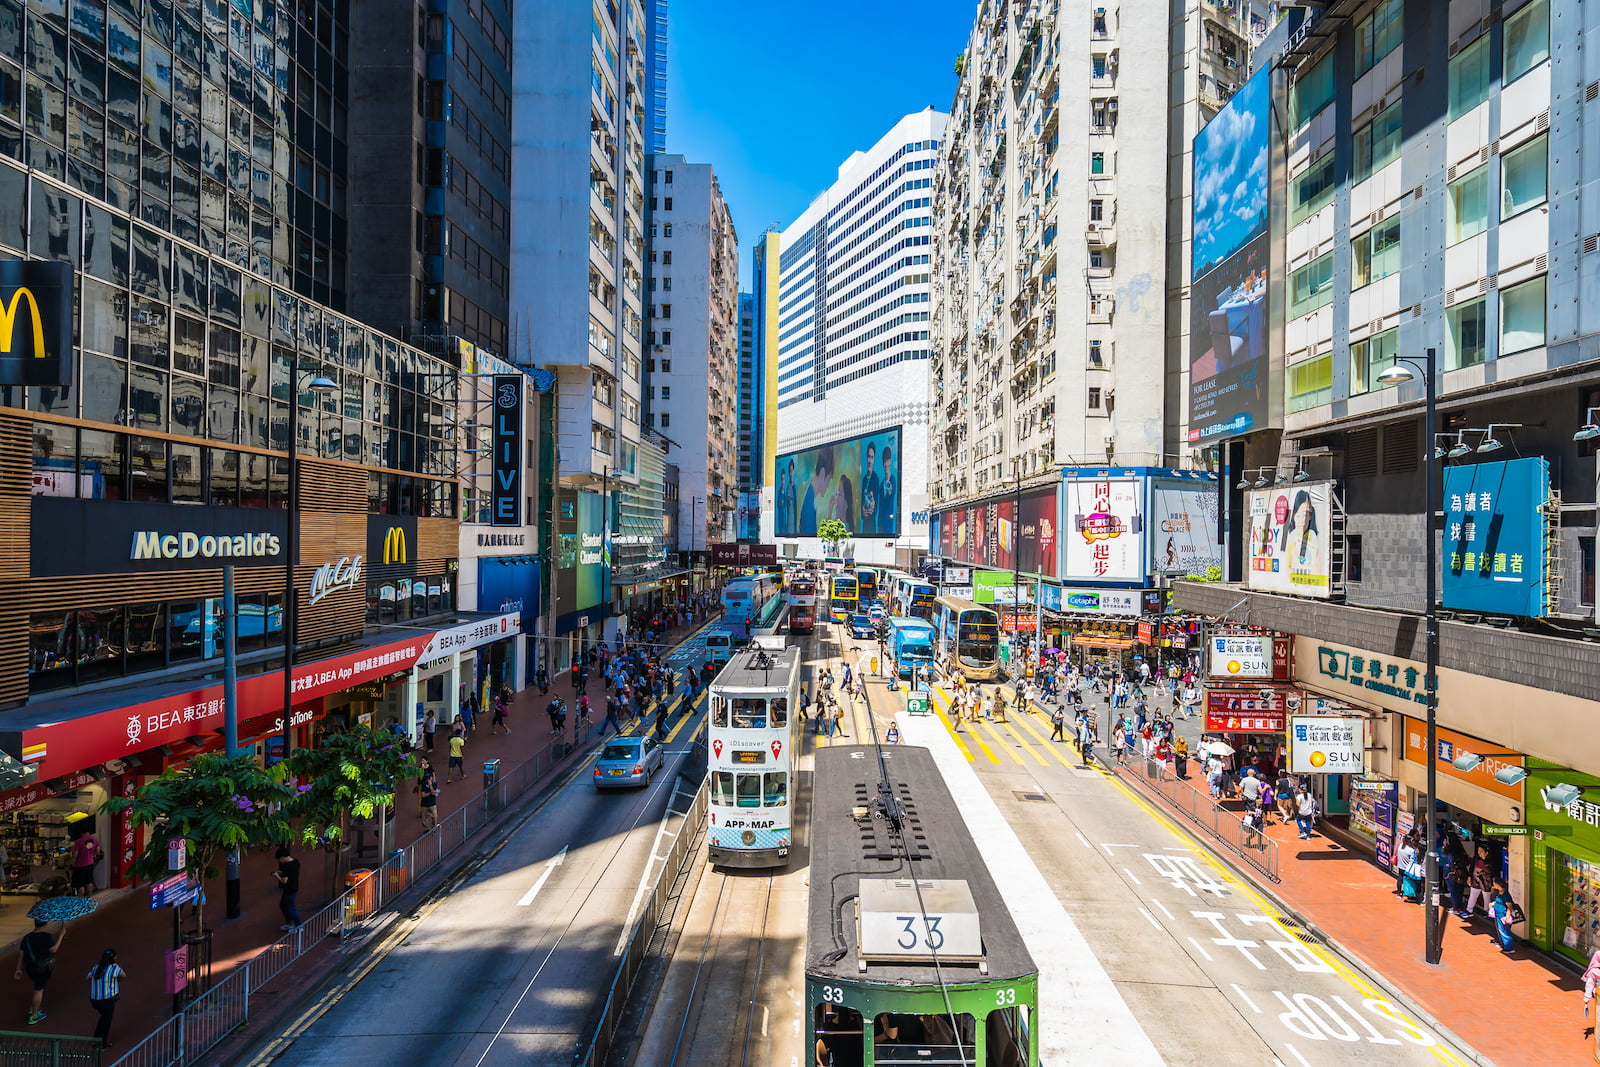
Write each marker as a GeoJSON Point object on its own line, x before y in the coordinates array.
{"type": "Point", "coordinates": [1433, 930]}
{"type": "Point", "coordinates": [318, 384]}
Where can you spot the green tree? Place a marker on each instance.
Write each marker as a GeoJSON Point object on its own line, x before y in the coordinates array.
{"type": "Point", "coordinates": [215, 804]}
{"type": "Point", "coordinates": [833, 534]}
{"type": "Point", "coordinates": [354, 772]}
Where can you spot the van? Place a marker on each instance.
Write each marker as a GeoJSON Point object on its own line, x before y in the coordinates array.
{"type": "Point", "coordinates": [719, 646]}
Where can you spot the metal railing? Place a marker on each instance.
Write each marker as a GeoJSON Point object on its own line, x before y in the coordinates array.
{"type": "Point", "coordinates": [20, 1049]}
{"type": "Point", "coordinates": [225, 1007]}
{"type": "Point", "coordinates": [1226, 827]}
{"type": "Point", "coordinates": [644, 928]}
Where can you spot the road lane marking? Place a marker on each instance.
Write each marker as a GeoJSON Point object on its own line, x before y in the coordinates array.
{"type": "Point", "coordinates": [550, 866]}
{"type": "Point", "coordinates": [1164, 911]}
{"type": "Point", "coordinates": [1152, 920]}
{"type": "Point", "coordinates": [1131, 876]}
{"type": "Point", "coordinates": [1243, 995]}
{"type": "Point", "coordinates": [1085, 840]}
{"type": "Point", "coordinates": [1201, 949]}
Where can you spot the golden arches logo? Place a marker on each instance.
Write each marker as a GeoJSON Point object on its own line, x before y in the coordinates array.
{"type": "Point", "coordinates": [394, 545]}
{"type": "Point", "coordinates": [8, 320]}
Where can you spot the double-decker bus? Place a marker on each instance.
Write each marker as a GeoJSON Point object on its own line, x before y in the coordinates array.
{"type": "Point", "coordinates": [843, 596]}
{"type": "Point", "coordinates": [966, 639]}
{"type": "Point", "coordinates": [802, 604]}
{"type": "Point", "coordinates": [752, 743]}
{"type": "Point", "coordinates": [867, 583]}
{"type": "Point", "coordinates": [911, 596]}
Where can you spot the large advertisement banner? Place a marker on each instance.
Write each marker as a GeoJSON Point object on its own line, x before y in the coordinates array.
{"type": "Point", "coordinates": [1229, 365]}
{"type": "Point", "coordinates": [1289, 539]}
{"type": "Point", "coordinates": [1104, 530]}
{"type": "Point", "coordinates": [1494, 536]}
{"type": "Point", "coordinates": [856, 481]}
{"type": "Point", "coordinates": [981, 534]}
{"type": "Point", "coordinates": [1183, 528]}
{"type": "Point", "coordinates": [582, 555]}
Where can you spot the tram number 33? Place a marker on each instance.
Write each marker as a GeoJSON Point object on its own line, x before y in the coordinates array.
{"type": "Point", "coordinates": [932, 939]}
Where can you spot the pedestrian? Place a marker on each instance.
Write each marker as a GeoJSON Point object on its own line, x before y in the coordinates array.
{"type": "Point", "coordinates": [1283, 789]}
{"type": "Point", "coordinates": [1086, 740]}
{"type": "Point", "coordinates": [458, 756]}
{"type": "Point", "coordinates": [469, 711]}
{"type": "Point", "coordinates": [288, 878]}
{"type": "Point", "coordinates": [1479, 883]}
{"type": "Point", "coordinates": [429, 800]}
{"type": "Point", "coordinates": [38, 961]}
{"type": "Point", "coordinates": [1254, 835]}
{"type": "Point", "coordinates": [611, 715]}
{"type": "Point", "coordinates": [430, 726]}
{"type": "Point", "coordinates": [847, 676]}
{"type": "Point", "coordinates": [1180, 756]}
{"type": "Point", "coordinates": [583, 715]}
{"type": "Point", "coordinates": [85, 850]}
{"type": "Point", "coordinates": [1590, 977]}
{"type": "Point", "coordinates": [1119, 744]}
{"type": "Point", "coordinates": [1506, 915]}
{"type": "Point", "coordinates": [1058, 724]}
{"type": "Point", "coordinates": [1305, 807]}
{"type": "Point", "coordinates": [105, 986]}
{"type": "Point", "coordinates": [999, 705]}
{"type": "Point", "coordinates": [1190, 700]}
{"type": "Point", "coordinates": [1409, 871]}
{"type": "Point", "coordinates": [1457, 882]}
{"type": "Point", "coordinates": [1214, 776]}
{"type": "Point", "coordinates": [1250, 789]}
{"type": "Point", "coordinates": [541, 678]}
{"type": "Point", "coordinates": [499, 720]}
{"type": "Point", "coordinates": [553, 709]}
{"type": "Point", "coordinates": [837, 720]}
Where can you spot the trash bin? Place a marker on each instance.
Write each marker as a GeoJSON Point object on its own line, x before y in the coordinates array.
{"type": "Point", "coordinates": [361, 900]}
{"type": "Point", "coordinates": [491, 773]}
{"type": "Point", "coordinates": [398, 870]}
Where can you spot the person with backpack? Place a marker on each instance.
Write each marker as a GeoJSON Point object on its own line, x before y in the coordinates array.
{"type": "Point", "coordinates": [1058, 725]}
{"type": "Point", "coordinates": [38, 961]}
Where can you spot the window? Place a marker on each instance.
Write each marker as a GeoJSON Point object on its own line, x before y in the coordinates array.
{"type": "Point", "coordinates": [1377, 144]}
{"type": "Point", "coordinates": [1379, 34]}
{"type": "Point", "coordinates": [1466, 334]}
{"type": "Point", "coordinates": [666, 311]}
{"type": "Point", "coordinates": [666, 230]}
{"type": "Point", "coordinates": [666, 339]}
{"type": "Point", "coordinates": [1586, 571]}
{"type": "Point", "coordinates": [1376, 253]}
{"type": "Point", "coordinates": [1370, 358]}
{"type": "Point", "coordinates": [1097, 210]}
{"type": "Point", "coordinates": [666, 283]}
{"type": "Point", "coordinates": [666, 420]}
{"type": "Point", "coordinates": [1469, 206]}
{"type": "Point", "coordinates": [1311, 383]}
{"type": "Point", "coordinates": [1469, 77]}
{"type": "Point", "coordinates": [666, 392]}
{"type": "Point", "coordinates": [666, 259]}
{"type": "Point", "coordinates": [1098, 66]}
{"type": "Point", "coordinates": [1097, 162]}
{"type": "Point", "coordinates": [1311, 92]}
{"type": "Point", "coordinates": [666, 366]}
{"type": "Point", "coordinates": [669, 177]}
{"type": "Point", "coordinates": [1311, 286]}
{"type": "Point", "coordinates": [1522, 317]}
{"type": "Point", "coordinates": [1097, 114]}
{"type": "Point", "coordinates": [666, 204]}
{"type": "Point", "coordinates": [1312, 190]}
{"type": "Point", "coordinates": [1096, 359]}
{"type": "Point", "coordinates": [1097, 257]}
{"type": "Point", "coordinates": [1524, 177]}
{"type": "Point", "coordinates": [1094, 398]}
{"type": "Point", "coordinates": [1352, 557]}
{"type": "Point", "coordinates": [1527, 40]}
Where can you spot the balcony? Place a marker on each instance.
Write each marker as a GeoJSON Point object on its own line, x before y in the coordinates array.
{"type": "Point", "coordinates": [1101, 234]}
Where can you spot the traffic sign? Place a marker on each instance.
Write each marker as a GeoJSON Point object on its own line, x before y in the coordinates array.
{"type": "Point", "coordinates": [917, 702]}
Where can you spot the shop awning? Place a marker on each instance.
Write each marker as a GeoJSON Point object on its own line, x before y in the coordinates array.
{"type": "Point", "coordinates": [1093, 641]}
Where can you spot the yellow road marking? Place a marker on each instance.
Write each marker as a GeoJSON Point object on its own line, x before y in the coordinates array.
{"type": "Point", "coordinates": [947, 716]}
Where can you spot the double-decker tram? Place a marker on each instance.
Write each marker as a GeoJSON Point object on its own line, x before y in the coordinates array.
{"type": "Point", "coordinates": [911, 954]}
{"type": "Point", "coordinates": [802, 604]}
{"type": "Point", "coordinates": [750, 598]}
{"type": "Point", "coordinates": [751, 746]}
{"type": "Point", "coordinates": [843, 596]}
{"type": "Point", "coordinates": [966, 639]}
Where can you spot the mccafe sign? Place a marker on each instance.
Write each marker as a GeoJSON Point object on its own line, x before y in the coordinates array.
{"type": "Point", "coordinates": [71, 537]}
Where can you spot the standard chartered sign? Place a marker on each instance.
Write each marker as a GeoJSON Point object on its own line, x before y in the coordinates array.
{"type": "Point", "coordinates": [185, 544]}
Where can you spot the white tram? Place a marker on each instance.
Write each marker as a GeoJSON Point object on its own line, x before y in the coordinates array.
{"type": "Point", "coordinates": [751, 749]}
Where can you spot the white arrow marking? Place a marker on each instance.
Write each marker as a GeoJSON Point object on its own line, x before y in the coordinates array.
{"type": "Point", "coordinates": [549, 867]}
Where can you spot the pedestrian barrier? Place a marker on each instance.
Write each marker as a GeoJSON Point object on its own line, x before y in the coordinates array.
{"type": "Point", "coordinates": [644, 929]}
{"type": "Point", "coordinates": [19, 1049]}
{"type": "Point", "coordinates": [1255, 848]}
{"type": "Point", "coordinates": [183, 1039]}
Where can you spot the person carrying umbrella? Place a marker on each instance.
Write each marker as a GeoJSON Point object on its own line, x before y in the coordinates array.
{"type": "Point", "coordinates": [38, 960]}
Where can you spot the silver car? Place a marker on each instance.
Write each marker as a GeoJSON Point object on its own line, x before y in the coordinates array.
{"type": "Point", "coordinates": [628, 761]}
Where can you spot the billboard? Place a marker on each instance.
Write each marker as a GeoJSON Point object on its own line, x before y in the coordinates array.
{"type": "Point", "coordinates": [1289, 530]}
{"type": "Point", "coordinates": [1001, 587]}
{"type": "Point", "coordinates": [1229, 364]}
{"type": "Point", "coordinates": [1494, 537]}
{"type": "Point", "coordinates": [1036, 533]}
{"type": "Point", "coordinates": [856, 481]}
{"type": "Point", "coordinates": [505, 496]}
{"type": "Point", "coordinates": [582, 555]}
{"type": "Point", "coordinates": [1183, 528]}
{"type": "Point", "coordinates": [1327, 744]}
{"type": "Point", "coordinates": [1104, 529]}
{"type": "Point", "coordinates": [36, 315]}
{"type": "Point", "coordinates": [979, 534]}
{"type": "Point", "coordinates": [511, 583]}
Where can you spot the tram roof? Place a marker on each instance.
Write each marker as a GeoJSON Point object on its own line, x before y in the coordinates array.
{"type": "Point", "coordinates": [844, 850]}
{"type": "Point", "coordinates": [742, 671]}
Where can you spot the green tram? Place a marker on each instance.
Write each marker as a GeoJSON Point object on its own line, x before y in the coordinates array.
{"type": "Point", "coordinates": [911, 955]}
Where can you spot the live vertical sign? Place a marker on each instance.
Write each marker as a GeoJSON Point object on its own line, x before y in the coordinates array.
{"type": "Point", "coordinates": [507, 445]}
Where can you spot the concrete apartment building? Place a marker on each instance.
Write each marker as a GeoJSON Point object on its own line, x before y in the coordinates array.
{"type": "Point", "coordinates": [853, 349]}
{"type": "Point", "coordinates": [692, 370]}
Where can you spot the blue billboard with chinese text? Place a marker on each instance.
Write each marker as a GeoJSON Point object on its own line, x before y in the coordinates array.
{"type": "Point", "coordinates": [1494, 537]}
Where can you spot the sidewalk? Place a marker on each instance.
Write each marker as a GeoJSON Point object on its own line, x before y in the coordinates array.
{"type": "Point", "coordinates": [125, 922]}
{"type": "Point", "coordinates": [1522, 1008]}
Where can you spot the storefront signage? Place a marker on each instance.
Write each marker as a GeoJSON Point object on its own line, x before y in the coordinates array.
{"type": "Point", "coordinates": [1083, 600]}
{"type": "Point", "coordinates": [502, 540]}
{"type": "Point", "coordinates": [1249, 710]}
{"type": "Point", "coordinates": [1249, 656]}
{"type": "Point", "coordinates": [955, 575]}
{"type": "Point", "coordinates": [1326, 744]}
{"type": "Point", "coordinates": [35, 322]}
{"type": "Point", "coordinates": [75, 537]}
{"type": "Point", "coordinates": [1104, 529]}
{"type": "Point", "coordinates": [1288, 541]}
{"type": "Point", "coordinates": [24, 796]}
{"type": "Point", "coordinates": [1564, 797]}
{"type": "Point", "coordinates": [505, 499]}
{"type": "Point", "coordinates": [1470, 759]}
{"type": "Point", "coordinates": [1493, 830]}
{"type": "Point", "coordinates": [738, 554]}
{"type": "Point", "coordinates": [336, 576]}
{"type": "Point", "coordinates": [471, 635]}
{"type": "Point", "coordinates": [1391, 677]}
{"type": "Point", "coordinates": [1495, 529]}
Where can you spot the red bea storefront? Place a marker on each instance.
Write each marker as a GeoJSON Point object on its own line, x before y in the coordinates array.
{"type": "Point", "coordinates": [1252, 720]}
{"type": "Point", "coordinates": [79, 760]}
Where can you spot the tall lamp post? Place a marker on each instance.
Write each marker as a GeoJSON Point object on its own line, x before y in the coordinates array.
{"type": "Point", "coordinates": [318, 384]}
{"type": "Point", "coordinates": [1433, 930]}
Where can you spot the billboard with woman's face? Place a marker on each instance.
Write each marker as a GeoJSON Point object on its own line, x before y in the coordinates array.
{"type": "Point", "coordinates": [1289, 539]}
{"type": "Point", "coordinates": [856, 481]}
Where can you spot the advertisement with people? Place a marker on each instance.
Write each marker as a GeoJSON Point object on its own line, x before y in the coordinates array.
{"type": "Point", "coordinates": [984, 534]}
{"type": "Point", "coordinates": [1288, 546]}
{"type": "Point", "coordinates": [856, 481]}
{"type": "Point", "coordinates": [1229, 364]}
{"type": "Point", "coordinates": [1104, 529]}
{"type": "Point", "coordinates": [1494, 536]}
{"type": "Point", "coordinates": [1183, 528]}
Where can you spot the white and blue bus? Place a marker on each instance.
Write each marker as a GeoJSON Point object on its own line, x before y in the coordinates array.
{"type": "Point", "coordinates": [966, 639]}
{"type": "Point", "coordinates": [911, 647]}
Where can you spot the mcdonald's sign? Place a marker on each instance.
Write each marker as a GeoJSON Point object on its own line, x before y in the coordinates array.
{"type": "Point", "coordinates": [35, 322]}
{"type": "Point", "coordinates": [394, 545]}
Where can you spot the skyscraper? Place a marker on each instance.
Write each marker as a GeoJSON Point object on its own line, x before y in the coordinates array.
{"type": "Point", "coordinates": [853, 349]}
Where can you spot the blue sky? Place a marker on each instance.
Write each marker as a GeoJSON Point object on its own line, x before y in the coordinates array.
{"type": "Point", "coordinates": [1230, 175]}
{"type": "Point", "coordinates": [776, 96]}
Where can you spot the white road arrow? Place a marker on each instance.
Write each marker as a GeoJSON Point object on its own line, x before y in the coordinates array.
{"type": "Point", "coordinates": [549, 867]}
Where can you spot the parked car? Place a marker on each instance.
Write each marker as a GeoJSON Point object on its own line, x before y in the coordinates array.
{"type": "Point", "coordinates": [627, 761]}
{"type": "Point", "coordinates": [861, 626]}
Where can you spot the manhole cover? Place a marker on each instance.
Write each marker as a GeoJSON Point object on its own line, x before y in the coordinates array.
{"type": "Point", "coordinates": [1030, 796]}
